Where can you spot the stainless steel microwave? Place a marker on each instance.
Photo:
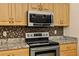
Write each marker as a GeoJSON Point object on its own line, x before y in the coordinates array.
{"type": "Point", "coordinates": [40, 18]}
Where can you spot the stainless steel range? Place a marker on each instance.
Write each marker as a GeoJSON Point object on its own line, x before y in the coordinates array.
{"type": "Point", "coordinates": [40, 45]}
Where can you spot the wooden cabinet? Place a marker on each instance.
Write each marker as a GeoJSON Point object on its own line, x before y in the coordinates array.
{"type": "Point", "coordinates": [61, 14]}
{"type": "Point", "coordinates": [47, 7]}
{"type": "Point", "coordinates": [16, 13]}
{"type": "Point", "coordinates": [34, 6]}
{"type": "Point", "coordinates": [68, 53]}
{"type": "Point", "coordinates": [20, 13]}
{"type": "Point", "coordinates": [68, 49]}
{"type": "Point", "coordinates": [4, 14]}
{"type": "Point", "coordinates": [13, 14]}
{"type": "Point", "coordinates": [16, 52]}
{"type": "Point", "coordinates": [20, 52]}
{"type": "Point", "coordinates": [41, 6]}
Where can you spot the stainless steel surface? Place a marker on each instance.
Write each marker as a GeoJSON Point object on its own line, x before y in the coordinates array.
{"type": "Point", "coordinates": [31, 35]}
{"type": "Point", "coordinates": [39, 49]}
{"type": "Point", "coordinates": [39, 41]}
{"type": "Point", "coordinates": [40, 13]}
{"type": "Point", "coordinates": [39, 44]}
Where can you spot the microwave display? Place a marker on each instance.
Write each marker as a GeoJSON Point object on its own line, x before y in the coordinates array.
{"type": "Point", "coordinates": [40, 18]}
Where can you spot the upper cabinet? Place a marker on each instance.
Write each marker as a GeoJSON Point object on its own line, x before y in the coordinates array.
{"type": "Point", "coordinates": [61, 14]}
{"type": "Point", "coordinates": [47, 6]}
{"type": "Point", "coordinates": [4, 14]}
{"type": "Point", "coordinates": [16, 13]}
{"type": "Point", "coordinates": [13, 14]}
{"type": "Point", "coordinates": [19, 14]}
{"type": "Point", "coordinates": [41, 6]}
{"type": "Point", "coordinates": [34, 6]}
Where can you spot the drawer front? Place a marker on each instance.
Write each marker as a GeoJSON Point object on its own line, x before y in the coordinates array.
{"type": "Point", "coordinates": [71, 46]}
{"type": "Point", "coordinates": [17, 52]}
{"type": "Point", "coordinates": [20, 52]}
{"type": "Point", "coordinates": [68, 53]}
{"type": "Point", "coordinates": [5, 53]}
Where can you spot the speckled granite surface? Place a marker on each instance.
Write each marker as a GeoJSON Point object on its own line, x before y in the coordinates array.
{"type": "Point", "coordinates": [64, 39]}
{"type": "Point", "coordinates": [15, 43]}
{"type": "Point", "coordinates": [12, 43]}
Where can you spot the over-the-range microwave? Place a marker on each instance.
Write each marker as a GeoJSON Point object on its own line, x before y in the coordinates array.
{"type": "Point", "coordinates": [40, 18]}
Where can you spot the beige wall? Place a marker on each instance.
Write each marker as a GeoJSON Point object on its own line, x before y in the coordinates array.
{"type": "Point", "coordinates": [73, 29]}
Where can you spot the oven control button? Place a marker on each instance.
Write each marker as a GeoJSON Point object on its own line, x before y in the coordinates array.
{"type": "Point", "coordinates": [31, 35]}
{"type": "Point", "coordinates": [46, 34]}
{"type": "Point", "coordinates": [43, 34]}
{"type": "Point", "coordinates": [27, 35]}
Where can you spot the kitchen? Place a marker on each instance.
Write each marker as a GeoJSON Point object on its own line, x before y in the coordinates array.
{"type": "Point", "coordinates": [21, 22]}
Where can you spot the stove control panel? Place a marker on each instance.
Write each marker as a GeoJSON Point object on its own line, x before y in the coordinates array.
{"type": "Point", "coordinates": [37, 34]}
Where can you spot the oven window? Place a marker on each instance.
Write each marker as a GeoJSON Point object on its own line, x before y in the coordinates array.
{"type": "Point", "coordinates": [46, 53]}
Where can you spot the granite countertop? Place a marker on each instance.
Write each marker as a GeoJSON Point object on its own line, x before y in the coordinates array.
{"type": "Point", "coordinates": [15, 43]}
{"type": "Point", "coordinates": [12, 43]}
{"type": "Point", "coordinates": [63, 39]}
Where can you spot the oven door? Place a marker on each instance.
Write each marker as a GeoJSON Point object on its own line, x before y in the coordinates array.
{"type": "Point", "coordinates": [45, 51]}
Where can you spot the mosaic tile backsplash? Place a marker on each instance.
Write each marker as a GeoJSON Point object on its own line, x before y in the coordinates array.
{"type": "Point", "coordinates": [19, 31]}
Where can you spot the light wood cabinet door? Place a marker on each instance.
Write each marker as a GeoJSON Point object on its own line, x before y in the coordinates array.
{"type": "Point", "coordinates": [68, 49]}
{"type": "Point", "coordinates": [17, 52]}
{"type": "Point", "coordinates": [68, 53]}
{"type": "Point", "coordinates": [71, 46]}
{"type": "Point", "coordinates": [47, 7]}
{"type": "Point", "coordinates": [13, 14]}
{"type": "Point", "coordinates": [20, 52]}
{"type": "Point", "coordinates": [61, 14]}
{"type": "Point", "coordinates": [19, 13]}
{"type": "Point", "coordinates": [34, 6]}
{"type": "Point", "coordinates": [5, 53]}
{"type": "Point", "coordinates": [4, 14]}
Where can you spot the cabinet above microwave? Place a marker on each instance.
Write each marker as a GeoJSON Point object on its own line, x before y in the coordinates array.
{"type": "Point", "coordinates": [40, 18]}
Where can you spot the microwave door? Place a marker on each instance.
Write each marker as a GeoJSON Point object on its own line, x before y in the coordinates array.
{"type": "Point", "coordinates": [40, 19]}
{"type": "Point", "coordinates": [36, 18]}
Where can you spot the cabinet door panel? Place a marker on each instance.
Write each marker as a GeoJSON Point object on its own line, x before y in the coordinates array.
{"type": "Point", "coordinates": [12, 13]}
{"type": "Point", "coordinates": [17, 52]}
{"type": "Point", "coordinates": [34, 6]}
{"type": "Point", "coordinates": [66, 14]}
{"type": "Point", "coordinates": [47, 6]}
{"type": "Point", "coordinates": [4, 14]}
{"type": "Point", "coordinates": [71, 46]}
{"type": "Point", "coordinates": [20, 14]}
{"type": "Point", "coordinates": [68, 53]}
{"type": "Point", "coordinates": [61, 14]}
{"type": "Point", "coordinates": [57, 13]}
{"type": "Point", "coordinates": [20, 52]}
{"type": "Point", "coordinates": [5, 53]}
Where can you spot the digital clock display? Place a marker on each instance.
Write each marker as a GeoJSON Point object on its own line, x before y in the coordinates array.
{"type": "Point", "coordinates": [37, 34]}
